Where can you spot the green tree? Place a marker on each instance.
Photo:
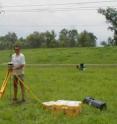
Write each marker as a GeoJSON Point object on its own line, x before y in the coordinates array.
{"type": "Point", "coordinates": [22, 42]}
{"type": "Point", "coordinates": [37, 39]}
{"type": "Point", "coordinates": [104, 43]}
{"type": "Point", "coordinates": [50, 39]}
{"type": "Point", "coordinates": [111, 17]}
{"type": "Point", "coordinates": [110, 41]}
{"type": "Point", "coordinates": [64, 38]}
{"type": "Point", "coordinates": [73, 38]}
{"type": "Point", "coordinates": [33, 40]}
{"type": "Point", "coordinates": [8, 40]}
{"type": "Point", "coordinates": [87, 39]}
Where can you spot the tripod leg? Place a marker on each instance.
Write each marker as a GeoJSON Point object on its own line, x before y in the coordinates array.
{"type": "Point", "coordinates": [5, 79]}
{"type": "Point", "coordinates": [2, 90]}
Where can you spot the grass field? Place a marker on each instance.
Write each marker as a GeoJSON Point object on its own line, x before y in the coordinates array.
{"type": "Point", "coordinates": [106, 55]}
{"type": "Point", "coordinates": [54, 83]}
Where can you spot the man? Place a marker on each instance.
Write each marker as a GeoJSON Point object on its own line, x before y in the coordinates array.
{"type": "Point", "coordinates": [18, 60]}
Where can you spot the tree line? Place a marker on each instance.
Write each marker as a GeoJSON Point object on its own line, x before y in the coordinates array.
{"type": "Point", "coordinates": [66, 38]}
{"type": "Point", "coordinates": [48, 39]}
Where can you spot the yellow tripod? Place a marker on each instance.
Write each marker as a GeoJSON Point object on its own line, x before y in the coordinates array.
{"type": "Point", "coordinates": [5, 82]}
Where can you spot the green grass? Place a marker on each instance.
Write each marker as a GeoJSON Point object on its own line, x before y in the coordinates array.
{"type": "Point", "coordinates": [54, 83]}
{"type": "Point", "coordinates": [66, 55]}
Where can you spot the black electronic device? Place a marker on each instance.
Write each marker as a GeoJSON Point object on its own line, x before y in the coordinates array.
{"type": "Point", "coordinates": [95, 103]}
{"type": "Point", "coordinates": [10, 65]}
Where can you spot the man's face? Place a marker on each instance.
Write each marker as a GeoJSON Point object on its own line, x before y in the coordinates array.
{"type": "Point", "coordinates": [17, 50]}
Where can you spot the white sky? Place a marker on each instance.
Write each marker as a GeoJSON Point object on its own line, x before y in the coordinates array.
{"type": "Point", "coordinates": [24, 23]}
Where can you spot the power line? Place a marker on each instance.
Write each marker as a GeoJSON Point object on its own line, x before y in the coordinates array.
{"type": "Point", "coordinates": [85, 7]}
{"type": "Point", "coordinates": [36, 26]}
{"type": "Point", "coordinates": [56, 9]}
{"type": "Point", "coordinates": [72, 8]}
{"type": "Point", "coordinates": [46, 10]}
{"type": "Point", "coordinates": [58, 4]}
{"type": "Point", "coordinates": [79, 7]}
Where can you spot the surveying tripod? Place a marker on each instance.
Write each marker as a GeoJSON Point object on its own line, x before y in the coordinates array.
{"type": "Point", "coordinates": [6, 79]}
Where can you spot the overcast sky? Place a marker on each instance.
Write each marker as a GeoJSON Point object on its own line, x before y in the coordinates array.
{"type": "Point", "coordinates": [26, 16]}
